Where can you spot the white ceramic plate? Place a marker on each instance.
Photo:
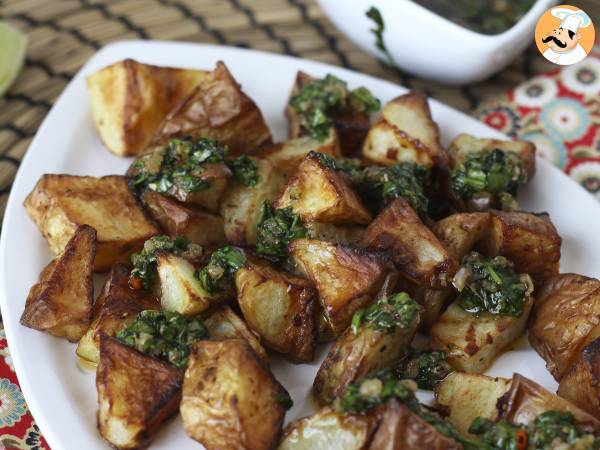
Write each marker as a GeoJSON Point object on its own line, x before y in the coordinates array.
{"type": "Point", "coordinates": [62, 397]}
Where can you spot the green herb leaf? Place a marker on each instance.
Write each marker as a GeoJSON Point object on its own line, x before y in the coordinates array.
{"type": "Point", "coordinates": [244, 170]}
{"type": "Point", "coordinates": [375, 15]}
{"type": "Point", "coordinates": [144, 262]}
{"type": "Point", "coordinates": [427, 368]}
{"type": "Point", "coordinates": [284, 399]}
{"type": "Point", "coordinates": [387, 314]}
{"type": "Point", "coordinates": [223, 264]}
{"type": "Point", "coordinates": [276, 229]}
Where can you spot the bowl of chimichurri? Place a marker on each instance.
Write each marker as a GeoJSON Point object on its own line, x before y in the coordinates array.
{"type": "Point", "coordinates": [451, 41]}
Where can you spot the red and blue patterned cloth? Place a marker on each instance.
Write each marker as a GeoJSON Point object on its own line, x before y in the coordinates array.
{"type": "Point", "coordinates": [558, 110]}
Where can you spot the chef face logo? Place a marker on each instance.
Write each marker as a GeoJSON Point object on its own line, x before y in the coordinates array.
{"type": "Point", "coordinates": [564, 35]}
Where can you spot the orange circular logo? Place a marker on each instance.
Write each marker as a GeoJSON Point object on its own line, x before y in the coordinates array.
{"type": "Point", "coordinates": [565, 35]}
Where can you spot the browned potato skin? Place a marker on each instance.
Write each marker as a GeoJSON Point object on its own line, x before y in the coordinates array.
{"type": "Point", "coordinates": [339, 234]}
{"type": "Point", "coordinates": [566, 317]}
{"type": "Point", "coordinates": [319, 193]}
{"type": "Point", "coordinates": [279, 307]}
{"type": "Point", "coordinates": [116, 307]}
{"type": "Point", "coordinates": [229, 397]}
{"type": "Point", "coordinates": [401, 429]}
{"type": "Point", "coordinates": [529, 240]}
{"type": "Point", "coordinates": [61, 302]}
{"type": "Point", "coordinates": [347, 279]}
{"type": "Point", "coordinates": [353, 356]}
{"type": "Point", "coordinates": [416, 251]}
{"type": "Point", "coordinates": [60, 203]}
{"type": "Point", "coordinates": [218, 109]}
{"type": "Point", "coordinates": [581, 383]}
{"type": "Point", "coordinates": [223, 323]}
{"type": "Point", "coordinates": [526, 399]}
{"type": "Point", "coordinates": [189, 221]}
{"type": "Point", "coordinates": [129, 101]}
{"type": "Point", "coordinates": [136, 394]}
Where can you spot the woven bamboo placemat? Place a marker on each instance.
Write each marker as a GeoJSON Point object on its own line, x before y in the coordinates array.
{"type": "Point", "coordinates": [63, 34]}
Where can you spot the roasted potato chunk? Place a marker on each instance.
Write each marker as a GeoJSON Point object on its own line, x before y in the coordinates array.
{"type": "Point", "coordinates": [136, 394]}
{"type": "Point", "coordinates": [279, 307]}
{"type": "Point", "coordinates": [329, 430]}
{"type": "Point", "coordinates": [529, 240]}
{"type": "Point", "coordinates": [223, 323]}
{"type": "Point", "coordinates": [130, 100]}
{"type": "Point", "coordinates": [338, 234]}
{"type": "Point", "coordinates": [189, 221]}
{"type": "Point", "coordinates": [242, 205]}
{"type": "Point", "coordinates": [319, 193]}
{"type": "Point", "coordinates": [415, 250]}
{"type": "Point", "coordinates": [565, 319]}
{"type": "Point", "coordinates": [467, 396]}
{"type": "Point", "coordinates": [473, 341]}
{"type": "Point", "coordinates": [60, 303]}
{"type": "Point", "coordinates": [347, 279]}
{"type": "Point", "coordinates": [226, 383]}
{"type": "Point", "coordinates": [60, 203]}
{"type": "Point", "coordinates": [218, 109]}
{"type": "Point", "coordinates": [405, 132]}
{"type": "Point", "coordinates": [288, 155]}
{"type": "Point", "coordinates": [116, 307]}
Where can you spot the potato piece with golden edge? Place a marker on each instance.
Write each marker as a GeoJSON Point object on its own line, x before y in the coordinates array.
{"type": "Point", "coordinates": [338, 234]}
{"type": "Point", "coordinates": [402, 429]}
{"type": "Point", "coordinates": [188, 221]}
{"type": "Point", "coordinates": [473, 341]}
{"type": "Point", "coordinates": [279, 307]}
{"type": "Point", "coordinates": [136, 394]}
{"type": "Point", "coordinates": [218, 109]}
{"type": "Point", "coordinates": [116, 307]}
{"type": "Point", "coordinates": [467, 396]}
{"type": "Point", "coordinates": [319, 193]}
{"type": "Point", "coordinates": [288, 155]}
{"type": "Point", "coordinates": [223, 323]}
{"type": "Point", "coordinates": [525, 400]}
{"type": "Point", "coordinates": [414, 249]}
{"type": "Point", "coordinates": [378, 338]}
{"type": "Point", "coordinates": [180, 290]}
{"type": "Point", "coordinates": [566, 317]}
{"type": "Point", "coordinates": [60, 303]}
{"type": "Point", "coordinates": [347, 279]}
{"type": "Point", "coordinates": [405, 132]}
{"type": "Point", "coordinates": [241, 205]}
{"type": "Point", "coordinates": [465, 144]}
{"type": "Point", "coordinates": [60, 203]}
{"type": "Point", "coordinates": [329, 430]}
{"type": "Point", "coordinates": [130, 100]}
{"type": "Point", "coordinates": [581, 383]}
{"type": "Point", "coordinates": [227, 384]}
{"type": "Point", "coordinates": [529, 240]}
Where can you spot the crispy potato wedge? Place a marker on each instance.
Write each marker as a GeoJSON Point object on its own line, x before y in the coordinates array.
{"type": "Point", "coordinates": [347, 279]}
{"type": "Point", "coordinates": [471, 341]}
{"type": "Point", "coordinates": [526, 399]}
{"type": "Point", "coordinates": [353, 356]}
{"type": "Point", "coordinates": [415, 250]}
{"type": "Point", "coordinates": [180, 290]}
{"type": "Point", "coordinates": [189, 221]}
{"type": "Point", "coordinates": [60, 303]}
{"type": "Point", "coordinates": [116, 307]}
{"type": "Point", "coordinates": [227, 384]}
{"type": "Point", "coordinates": [529, 240]}
{"type": "Point", "coordinates": [319, 193]}
{"type": "Point", "coordinates": [405, 132]}
{"type": "Point", "coordinates": [60, 203]}
{"type": "Point", "coordinates": [217, 108]}
{"type": "Point", "coordinates": [566, 317]}
{"type": "Point", "coordinates": [279, 307]}
{"type": "Point", "coordinates": [465, 144]}
{"type": "Point", "coordinates": [581, 383]}
{"type": "Point", "coordinates": [136, 394]}
{"type": "Point", "coordinates": [288, 155]}
{"type": "Point", "coordinates": [130, 100]}
{"type": "Point", "coordinates": [466, 396]}
{"type": "Point", "coordinates": [241, 205]}
{"type": "Point", "coordinates": [329, 430]}
{"type": "Point", "coordinates": [223, 323]}
{"type": "Point", "coordinates": [339, 234]}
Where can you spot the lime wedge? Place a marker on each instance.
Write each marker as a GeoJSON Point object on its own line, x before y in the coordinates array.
{"type": "Point", "coordinates": [13, 45]}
